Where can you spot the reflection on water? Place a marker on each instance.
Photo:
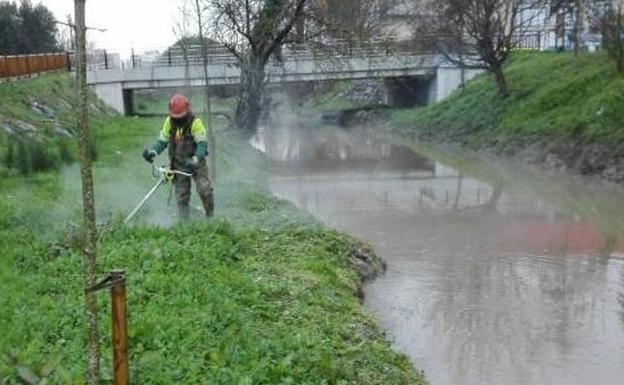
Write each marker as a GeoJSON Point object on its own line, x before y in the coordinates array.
{"type": "Point", "coordinates": [485, 284]}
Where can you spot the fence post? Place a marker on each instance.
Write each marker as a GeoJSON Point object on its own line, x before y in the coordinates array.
{"type": "Point", "coordinates": [120, 328]}
{"type": "Point", "coordinates": [105, 60]}
{"type": "Point", "coordinates": [132, 57]}
{"type": "Point", "coordinates": [169, 56]}
{"type": "Point", "coordinates": [116, 282]}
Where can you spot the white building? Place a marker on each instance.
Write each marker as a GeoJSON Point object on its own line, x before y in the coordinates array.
{"type": "Point", "coordinates": [552, 25]}
{"type": "Point", "coordinates": [547, 26]}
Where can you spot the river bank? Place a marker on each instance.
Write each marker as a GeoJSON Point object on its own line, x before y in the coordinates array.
{"type": "Point", "coordinates": [563, 112]}
{"type": "Point", "coordinates": [261, 294]}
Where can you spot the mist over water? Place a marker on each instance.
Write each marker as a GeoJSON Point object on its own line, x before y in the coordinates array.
{"type": "Point", "coordinates": [495, 275]}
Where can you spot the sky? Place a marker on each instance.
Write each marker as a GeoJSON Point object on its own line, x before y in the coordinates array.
{"type": "Point", "coordinates": [139, 24]}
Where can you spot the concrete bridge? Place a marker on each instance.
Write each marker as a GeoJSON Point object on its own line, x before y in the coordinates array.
{"type": "Point", "coordinates": [419, 78]}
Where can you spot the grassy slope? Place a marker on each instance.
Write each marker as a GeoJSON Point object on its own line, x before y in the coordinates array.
{"type": "Point", "coordinates": [16, 99]}
{"type": "Point", "coordinates": [552, 95]}
{"type": "Point", "coordinates": [39, 116]}
{"type": "Point", "coordinates": [54, 92]}
{"type": "Point", "coordinates": [261, 295]}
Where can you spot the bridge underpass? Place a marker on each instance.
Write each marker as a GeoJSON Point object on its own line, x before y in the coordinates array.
{"type": "Point", "coordinates": [411, 78]}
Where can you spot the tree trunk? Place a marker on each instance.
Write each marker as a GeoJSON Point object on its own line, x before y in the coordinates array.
{"type": "Point", "coordinates": [501, 82]}
{"type": "Point", "coordinates": [459, 191]}
{"type": "Point", "coordinates": [576, 33]}
{"type": "Point", "coordinates": [497, 193]}
{"type": "Point", "coordinates": [620, 39]}
{"type": "Point", "coordinates": [90, 230]}
{"type": "Point", "coordinates": [250, 95]}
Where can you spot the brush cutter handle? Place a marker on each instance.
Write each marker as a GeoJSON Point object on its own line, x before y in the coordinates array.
{"type": "Point", "coordinates": [167, 172]}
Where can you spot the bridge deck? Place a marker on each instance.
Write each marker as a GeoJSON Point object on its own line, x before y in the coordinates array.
{"type": "Point", "coordinates": [310, 69]}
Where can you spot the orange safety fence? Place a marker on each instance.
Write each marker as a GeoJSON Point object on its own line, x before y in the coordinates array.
{"type": "Point", "coordinates": [21, 65]}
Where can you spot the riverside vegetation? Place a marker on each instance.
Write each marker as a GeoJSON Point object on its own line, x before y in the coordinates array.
{"type": "Point", "coordinates": [563, 111]}
{"type": "Point", "coordinates": [262, 294]}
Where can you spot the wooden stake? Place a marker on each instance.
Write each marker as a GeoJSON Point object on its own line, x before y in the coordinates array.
{"type": "Point", "coordinates": [120, 329]}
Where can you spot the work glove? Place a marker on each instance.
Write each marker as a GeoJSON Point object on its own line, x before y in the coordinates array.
{"type": "Point", "coordinates": [149, 155]}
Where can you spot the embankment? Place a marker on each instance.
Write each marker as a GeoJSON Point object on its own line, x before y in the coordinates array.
{"type": "Point", "coordinates": [563, 112]}
{"type": "Point", "coordinates": [261, 294]}
{"type": "Point", "coordinates": [37, 123]}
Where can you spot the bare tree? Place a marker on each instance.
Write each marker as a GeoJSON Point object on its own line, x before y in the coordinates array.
{"type": "Point", "coordinates": [252, 30]}
{"type": "Point", "coordinates": [88, 201]}
{"type": "Point", "coordinates": [183, 42]}
{"type": "Point", "coordinates": [612, 29]}
{"type": "Point", "coordinates": [579, 8]}
{"type": "Point", "coordinates": [481, 34]}
{"type": "Point", "coordinates": [201, 30]}
{"type": "Point", "coordinates": [351, 20]}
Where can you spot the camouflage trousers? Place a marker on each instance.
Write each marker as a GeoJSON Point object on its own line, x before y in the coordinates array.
{"type": "Point", "coordinates": [203, 185]}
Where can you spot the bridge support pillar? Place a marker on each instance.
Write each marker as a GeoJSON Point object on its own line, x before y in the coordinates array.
{"type": "Point", "coordinates": [449, 79]}
{"type": "Point", "coordinates": [112, 95]}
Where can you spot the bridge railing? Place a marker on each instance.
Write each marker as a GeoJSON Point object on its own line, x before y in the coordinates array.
{"type": "Point", "coordinates": [191, 55]}
{"type": "Point", "coordinates": [219, 54]}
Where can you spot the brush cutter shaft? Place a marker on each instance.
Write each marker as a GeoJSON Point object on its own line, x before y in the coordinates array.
{"type": "Point", "coordinates": [165, 175]}
{"type": "Point", "coordinates": [144, 200]}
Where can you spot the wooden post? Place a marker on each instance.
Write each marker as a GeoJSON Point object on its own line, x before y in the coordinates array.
{"type": "Point", "coordinates": [120, 329]}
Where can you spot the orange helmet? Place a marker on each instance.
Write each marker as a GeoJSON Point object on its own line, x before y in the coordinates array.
{"type": "Point", "coordinates": [179, 106]}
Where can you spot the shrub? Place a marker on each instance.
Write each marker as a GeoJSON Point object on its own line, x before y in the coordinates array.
{"type": "Point", "coordinates": [32, 156]}
{"type": "Point", "coordinates": [65, 155]}
{"type": "Point", "coordinates": [9, 158]}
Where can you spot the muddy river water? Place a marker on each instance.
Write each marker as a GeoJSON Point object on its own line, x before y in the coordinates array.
{"type": "Point", "coordinates": [496, 274]}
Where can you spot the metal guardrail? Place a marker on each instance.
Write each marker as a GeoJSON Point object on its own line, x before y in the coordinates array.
{"type": "Point", "coordinates": [529, 41]}
{"type": "Point", "coordinates": [220, 55]}
{"type": "Point", "coordinates": [24, 65]}
{"type": "Point", "coordinates": [335, 50]}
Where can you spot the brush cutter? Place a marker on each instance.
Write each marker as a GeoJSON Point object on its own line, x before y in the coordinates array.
{"type": "Point", "coordinates": [165, 175]}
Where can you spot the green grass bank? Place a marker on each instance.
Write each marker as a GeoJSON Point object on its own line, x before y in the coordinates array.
{"type": "Point", "coordinates": [262, 294]}
{"type": "Point", "coordinates": [563, 112]}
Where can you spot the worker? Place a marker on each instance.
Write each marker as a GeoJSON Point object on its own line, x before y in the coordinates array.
{"type": "Point", "coordinates": [185, 135]}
